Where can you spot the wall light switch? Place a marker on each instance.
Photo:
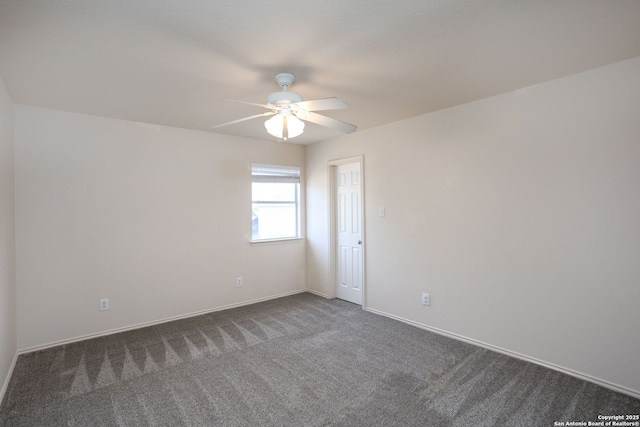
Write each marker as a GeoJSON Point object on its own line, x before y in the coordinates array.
{"type": "Point", "coordinates": [381, 211]}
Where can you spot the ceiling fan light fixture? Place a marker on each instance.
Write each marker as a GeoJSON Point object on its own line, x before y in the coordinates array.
{"type": "Point", "coordinates": [289, 110]}
{"type": "Point", "coordinates": [275, 125]}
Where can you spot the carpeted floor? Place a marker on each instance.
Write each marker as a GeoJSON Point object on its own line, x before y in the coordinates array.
{"type": "Point", "coordinates": [295, 361]}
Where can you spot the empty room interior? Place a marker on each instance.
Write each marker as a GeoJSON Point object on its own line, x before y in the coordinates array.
{"type": "Point", "coordinates": [319, 213]}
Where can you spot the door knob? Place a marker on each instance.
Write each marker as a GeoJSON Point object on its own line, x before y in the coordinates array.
{"type": "Point", "coordinates": [359, 242]}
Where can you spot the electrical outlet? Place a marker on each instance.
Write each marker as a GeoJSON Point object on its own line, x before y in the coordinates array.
{"type": "Point", "coordinates": [426, 300]}
{"type": "Point", "coordinates": [238, 281]}
{"type": "Point", "coordinates": [104, 304]}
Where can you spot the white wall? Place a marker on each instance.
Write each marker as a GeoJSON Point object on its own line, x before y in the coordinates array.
{"type": "Point", "coordinates": [150, 217]}
{"type": "Point", "coordinates": [519, 214]}
{"type": "Point", "coordinates": [7, 241]}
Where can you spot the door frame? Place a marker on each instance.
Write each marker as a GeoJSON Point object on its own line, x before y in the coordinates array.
{"type": "Point", "coordinates": [331, 198]}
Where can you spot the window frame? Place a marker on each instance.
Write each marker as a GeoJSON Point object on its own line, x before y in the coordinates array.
{"type": "Point", "coordinates": [278, 173]}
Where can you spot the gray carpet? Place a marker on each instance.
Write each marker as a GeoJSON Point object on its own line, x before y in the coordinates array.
{"type": "Point", "coordinates": [295, 361]}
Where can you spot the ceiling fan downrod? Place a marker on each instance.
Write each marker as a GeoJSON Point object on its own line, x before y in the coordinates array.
{"type": "Point", "coordinates": [284, 97]}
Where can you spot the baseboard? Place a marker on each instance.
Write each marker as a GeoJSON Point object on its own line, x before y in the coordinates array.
{"type": "Point", "coordinates": [320, 294]}
{"type": "Point", "coordinates": [156, 322]}
{"type": "Point", "coordinates": [5, 385]}
{"type": "Point", "coordinates": [579, 375]}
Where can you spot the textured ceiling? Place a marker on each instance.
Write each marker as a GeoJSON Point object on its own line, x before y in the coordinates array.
{"type": "Point", "coordinates": [172, 62]}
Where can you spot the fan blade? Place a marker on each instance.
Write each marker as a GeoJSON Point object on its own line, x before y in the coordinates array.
{"type": "Point", "coordinates": [249, 103]}
{"type": "Point", "coordinates": [319, 119]}
{"type": "Point", "coordinates": [322, 104]}
{"type": "Point", "coordinates": [268, 113]}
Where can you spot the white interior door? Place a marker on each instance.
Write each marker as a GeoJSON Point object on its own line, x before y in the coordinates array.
{"type": "Point", "coordinates": [348, 221]}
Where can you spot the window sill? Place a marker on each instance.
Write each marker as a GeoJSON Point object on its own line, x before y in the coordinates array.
{"type": "Point", "coordinates": [276, 241]}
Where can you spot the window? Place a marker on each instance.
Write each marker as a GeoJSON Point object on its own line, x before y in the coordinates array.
{"type": "Point", "coordinates": [275, 192]}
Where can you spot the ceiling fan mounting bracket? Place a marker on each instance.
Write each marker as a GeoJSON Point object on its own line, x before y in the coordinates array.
{"type": "Point", "coordinates": [284, 80]}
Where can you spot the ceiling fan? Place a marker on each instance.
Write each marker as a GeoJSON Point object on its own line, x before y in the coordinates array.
{"type": "Point", "coordinates": [288, 110]}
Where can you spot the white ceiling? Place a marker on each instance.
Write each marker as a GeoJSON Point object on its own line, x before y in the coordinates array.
{"type": "Point", "coordinates": [171, 62]}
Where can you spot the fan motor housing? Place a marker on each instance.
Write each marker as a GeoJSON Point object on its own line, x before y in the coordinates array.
{"type": "Point", "coordinates": [283, 98]}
